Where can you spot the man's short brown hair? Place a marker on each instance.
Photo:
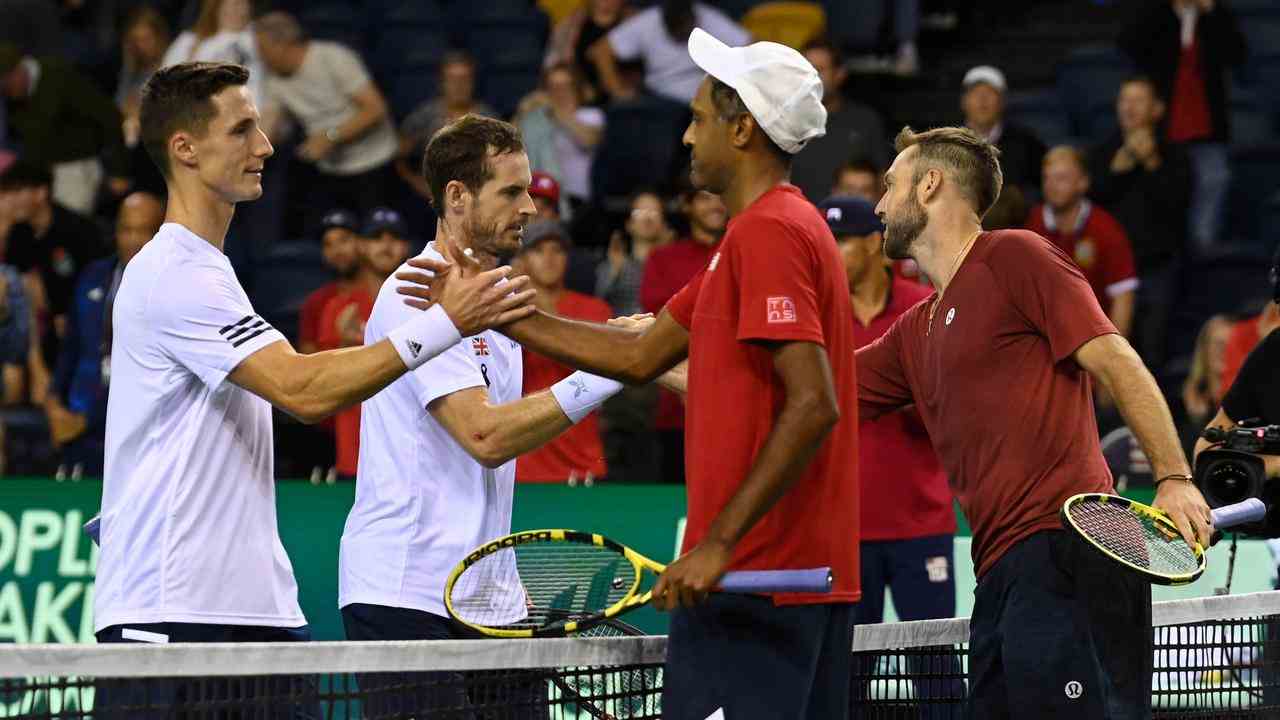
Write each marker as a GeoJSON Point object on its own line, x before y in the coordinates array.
{"type": "Point", "coordinates": [974, 162]}
{"type": "Point", "coordinates": [461, 151]}
{"type": "Point", "coordinates": [1070, 153]}
{"type": "Point", "coordinates": [180, 97]}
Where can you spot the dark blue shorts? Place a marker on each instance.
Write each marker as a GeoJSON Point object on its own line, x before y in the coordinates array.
{"type": "Point", "coordinates": [1058, 631]}
{"type": "Point", "coordinates": [520, 694]}
{"type": "Point", "coordinates": [262, 697]}
{"type": "Point", "coordinates": [758, 661]}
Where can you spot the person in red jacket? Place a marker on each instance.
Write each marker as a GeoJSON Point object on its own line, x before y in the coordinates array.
{"type": "Point", "coordinates": [338, 229]}
{"type": "Point", "coordinates": [667, 271]}
{"type": "Point", "coordinates": [577, 454]}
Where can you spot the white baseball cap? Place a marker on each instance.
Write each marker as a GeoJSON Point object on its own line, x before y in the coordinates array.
{"type": "Point", "coordinates": [988, 74]}
{"type": "Point", "coordinates": [780, 88]}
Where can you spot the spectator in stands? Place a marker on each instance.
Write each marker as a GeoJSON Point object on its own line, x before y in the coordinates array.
{"type": "Point", "coordinates": [669, 269]}
{"type": "Point", "coordinates": [858, 178]}
{"type": "Point", "coordinates": [853, 129]}
{"type": "Point", "coordinates": [1243, 336]}
{"type": "Point", "coordinates": [562, 133]}
{"type": "Point", "coordinates": [574, 35]}
{"type": "Point", "coordinates": [338, 230]}
{"type": "Point", "coordinates": [64, 122]}
{"type": "Point", "coordinates": [545, 192]}
{"type": "Point", "coordinates": [1087, 233]}
{"type": "Point", "coordinates": [326, 87]}
{"type": "Point", "coordinates": [221, 34]}
{"type": "Point", "coordinates": [1187, 47]}
{"type": "Point", "coordinates": [143, 43]}
{"type": "Point", "coordinates": [1140, 177]}
{"type": "Point", "coordinates": [457, 98]}
{"type": "Point", "coordinates": [1203, 389]}
{"type": "Point", "coordinates": [577, 454]}
{"type": "Point", "coordinates": [50, 244]}
{"type": "Point", "coordinates": [76, 405]}
{"type": "Point", "coordinates": [1021, 152]}
{"type": "Point", "coordinates": [382, 246]}
{"type": "Point", "coordinates": [619, 275]}
{"type": "Point", "coordinates": [659, 36]}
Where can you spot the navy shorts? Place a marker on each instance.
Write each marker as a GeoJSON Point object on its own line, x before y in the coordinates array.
{"type": "Point", "coordinates": [267, 697]}
{"type": "Point", "coordinates": [757, 660]}
{"type": "Point", "coordinates": [519, 693]}
{"type": "Point", "coordinates": [1058, 631]}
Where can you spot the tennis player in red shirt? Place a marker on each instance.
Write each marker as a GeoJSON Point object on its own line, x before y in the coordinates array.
{"type": "Point", "coordinates": [999, 363]}
{"type": "Point", "coordinates": [771, 451]}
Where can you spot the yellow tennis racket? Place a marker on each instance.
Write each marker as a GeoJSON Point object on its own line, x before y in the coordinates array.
{"type": "Point", "coordinates": [1144, 539]}
{"type": "Point", "coordinates": [550, 583]}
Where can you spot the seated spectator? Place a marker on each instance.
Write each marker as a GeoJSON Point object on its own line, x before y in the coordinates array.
{"type": "Point", "coordinates": [561, 133]}
{"type": "Point", "coordinates": [1202, 391]}
{"type": "Point", "coordinates": [457, 98]}
{"type": "Point", "coordinates": [338, 230]}
{"type": "Point", "coordinates": [76, 405]}
{"type": "Point", "coordinates": [326, 87]}
{"type": "Point", "coordinates": [1087, 233]}
{"type": "Point", "coordinates": [574, 35]}
{"type": "Point", "coordinates": [382, 246]}
{"type": "Point", "coordinates": [1187, 48]}
{"type": "Point", "coordinates": [1021, 152]}
{"type": "Point", "coordinates": [1243, 336]}
{"type": "Point", "coordinates": [50, 244]}
{"type": "Point", "coordinates": [619, 275]}
{"type": "Point", "coordinates": [858, 178]}
{"type": "Point", "coordinates": [221, 34]}
{"type": "Point", "coordinates": [853, 130]}
{"type": "Point", "coordinates": [143, 43]}
{"type": "Point", "coordinates": [659, 36]}
{"type": "Point", "coordinates": [1140, 177]}
{"type": "Point", "coordinates": [577, 454]}
{"type": "Point", "coordinates": [545, 192]}
{"type": "Point", "coordinates": [669, 269]}
{"type": "Point", "coordinates": [65, 123]}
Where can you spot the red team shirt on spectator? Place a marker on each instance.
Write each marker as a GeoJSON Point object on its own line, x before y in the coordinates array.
{"type": "Point", "coordinates": [312, 307]}
{"type": "Point", "coordinates": [578, 451]}
{"type": "Point", "coordinates": [1099, 246]}
{"type": "Point", "coordinates": [347, 422]}
{"type": "Point", "coordinates": [777, 277]}
{"type": "Point", "coordinates": [1009, 410]}
{"type": "Point", "coordinates": [904, 490]}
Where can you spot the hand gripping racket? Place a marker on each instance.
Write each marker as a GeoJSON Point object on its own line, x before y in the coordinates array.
{"type": "Point", "coordinates": [550, 583]}
{"type": "Point", "coordinates": [1144, 539]}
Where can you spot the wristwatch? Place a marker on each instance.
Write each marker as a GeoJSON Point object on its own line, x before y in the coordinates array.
{"type": "Point", "coordinates": [331, 135]}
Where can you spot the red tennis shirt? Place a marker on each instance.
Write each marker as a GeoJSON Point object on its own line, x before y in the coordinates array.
{"type": "Point", "coordinates": [777, 277]}
{"type": "Point", "coordinates": [1007, 407]}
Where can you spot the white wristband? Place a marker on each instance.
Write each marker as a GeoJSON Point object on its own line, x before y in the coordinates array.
{"type": "Point", "coordinates": [582, 392]}
{"type": "Point", "coordinates": [424, 337]}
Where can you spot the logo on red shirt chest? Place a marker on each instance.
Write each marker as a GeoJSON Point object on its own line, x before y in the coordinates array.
{"type": "Point", "coordinates": [480, 346]}
{"type": "Point", "coordinates": [781, 309]}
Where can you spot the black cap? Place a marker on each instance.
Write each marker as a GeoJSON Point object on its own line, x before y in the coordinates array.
{"type": "Point", "coordinates": [541, 230]}
{"type": "Point", "coordinates": [382, 219]}
{"type": "Point", "coordinates": [850, 216]}
{"type": "Point", "coordinates": [339, 218]}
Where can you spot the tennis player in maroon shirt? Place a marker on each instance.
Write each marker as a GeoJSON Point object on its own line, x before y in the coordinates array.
{"type": "Point", "coordinates": [771, 434]}
{"type": "Point", "coordinates": [999, 363]}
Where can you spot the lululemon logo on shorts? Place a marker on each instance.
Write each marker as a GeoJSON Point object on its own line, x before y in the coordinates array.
{"type": "Point", "coordinates": [951, 315]}
{"type": "Point", "coordinates": [1073, 689]}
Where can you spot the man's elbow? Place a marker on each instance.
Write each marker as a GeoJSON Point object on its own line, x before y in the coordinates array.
{"type": "Point", "coordinates": [489, 452]}
{"type": "Point", "coordinates": [821, 410]}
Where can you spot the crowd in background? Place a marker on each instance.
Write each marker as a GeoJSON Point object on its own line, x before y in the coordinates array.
{"type": "Point", "coordinates": [619, 229]}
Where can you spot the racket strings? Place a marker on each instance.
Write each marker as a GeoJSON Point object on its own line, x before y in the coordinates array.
{"type": "Point", "coordinates": [629, 693]}
{"type": "Point", "coordinates": [1137, 539]}
{"type": "Point", "coordinates": [541, 584]}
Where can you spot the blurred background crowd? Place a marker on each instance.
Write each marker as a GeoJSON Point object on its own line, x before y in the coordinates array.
{"type": "Point", "coordinates": [1140, 137]}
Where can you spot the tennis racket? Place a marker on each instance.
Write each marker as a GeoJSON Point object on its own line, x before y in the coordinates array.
{"type": "Point", "coordinates": [551, 583]}
{"type": "Point", "coordinates": [614, 693]}
{"type": "Point", "coordinates": [1143, 538]}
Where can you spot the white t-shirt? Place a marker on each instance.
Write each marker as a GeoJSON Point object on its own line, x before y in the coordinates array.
{"type": "Point", "coordinates": [422, 503]}
{"type": "Point", "coordinates": [188, 493]}
{"type": "Point", "coordinates": [319, 96]}
{"type": "Point", "coordinates": [233, 47]}
{"type": "Point", "coordinates": [668, 69]}
{"type": "Point", "coordinates": [575, 160]}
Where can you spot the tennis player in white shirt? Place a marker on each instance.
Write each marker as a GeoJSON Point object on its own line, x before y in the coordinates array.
{"type": "Point", "coordinates": [438, 446]}
{"type": "Point", "coordinates": [190, 550]}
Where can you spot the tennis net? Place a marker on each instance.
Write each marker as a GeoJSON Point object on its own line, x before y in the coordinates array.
{"type": "Point", "coordinates": [1214, 658]}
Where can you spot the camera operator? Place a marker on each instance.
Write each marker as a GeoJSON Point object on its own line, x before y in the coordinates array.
{"type": "Point", "coordinates": [1253, 399]}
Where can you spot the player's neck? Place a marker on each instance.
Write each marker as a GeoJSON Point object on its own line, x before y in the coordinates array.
{"type": "Point", "coordinates": [940, 249]}
{"type": "Point", "coordinates": [199, 211]}
{"type": "Point", "coordinates": [462, 242]}
{"type": "Point", "coordinates": [755, 177]}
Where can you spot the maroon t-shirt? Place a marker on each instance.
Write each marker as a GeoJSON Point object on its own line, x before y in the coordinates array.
{"type": "Point", "coordinates": [1007, 407]}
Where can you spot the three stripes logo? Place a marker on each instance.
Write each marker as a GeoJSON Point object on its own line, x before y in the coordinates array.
{"type": "Point", "coordinates": [414, 347]}
{"type": "Point", "coordinates": [248, 328]}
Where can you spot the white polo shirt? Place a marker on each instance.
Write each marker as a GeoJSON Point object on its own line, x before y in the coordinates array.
{"type": "Point", "coordinates": [422, 502]}
{"type": "Point", "coordinates": [188, 497]}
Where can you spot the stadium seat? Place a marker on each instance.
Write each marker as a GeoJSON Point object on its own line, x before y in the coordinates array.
{"type": "Point", "coordinates": [295, 269]}
{"type": "Point", "coordinates": [1251, 123]}
{"type": "Point", "coordinates": [1254, 182]}
{"type": "Point", "coordinates": [402, 49]}
{"type": "Point", "coordinates": [788, 22]}
{"type": "Point", "coordinates": [510, 45]}
{"type": "Point", "coordinates": [408, 13]}
{"type": "Point", "coordinates": [1041, 112]}
{"type": "Point", "coordinates": [1099, 122]}
{"type": "Point", "coordinates": [340, 22]}
{"type": "Point", "coordinates": [641, 147]}
{"type": "Point", "coordinates": [503, 89]}
{"type": "Point", "coordinates": [408, 88]}
{"type": "Point", "coordinates": [1089, 77]}
{"type": "Point", "coordinates": [1262, 32]}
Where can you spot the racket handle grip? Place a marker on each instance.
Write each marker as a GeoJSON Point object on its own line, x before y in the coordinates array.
{"type": "Point", "coordinates": [813, 580]}
{"type": "Point", "coordinates": [1227, 516]}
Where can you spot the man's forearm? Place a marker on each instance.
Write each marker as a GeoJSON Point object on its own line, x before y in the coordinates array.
{"type": "Point", "coordinates": [613, 352]}
{"type": "Point", "coordinates": [1145, 412]}
{"type": "Point", "coordinates": [500, 433]}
